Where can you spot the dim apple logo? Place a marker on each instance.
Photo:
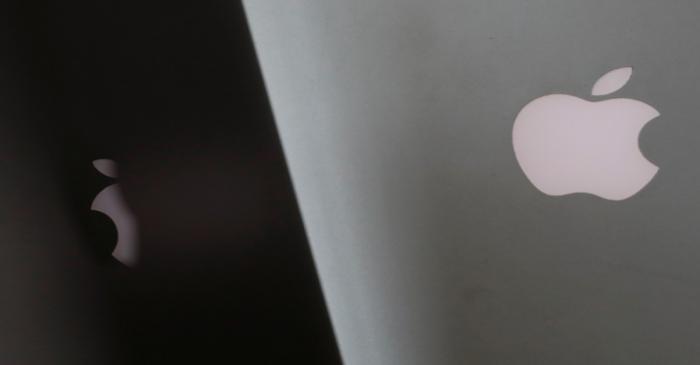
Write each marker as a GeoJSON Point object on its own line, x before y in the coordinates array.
{"type": "Point", "coordinates": [110, 201]}
{"type": "Point", "coordinates": [567, 145]}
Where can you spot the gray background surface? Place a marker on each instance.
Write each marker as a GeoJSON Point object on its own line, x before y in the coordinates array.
{"type": "Point", "coordinates": [432, 246]}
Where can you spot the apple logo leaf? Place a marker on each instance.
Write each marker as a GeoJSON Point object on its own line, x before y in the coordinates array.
{"type": "Point", "coordinates": [612, 81]}
{"type": "Point", "coordinates": [106, 167]}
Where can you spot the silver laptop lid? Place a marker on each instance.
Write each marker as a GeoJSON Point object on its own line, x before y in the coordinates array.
{"type": "Point", "coordinates": [434, 244]}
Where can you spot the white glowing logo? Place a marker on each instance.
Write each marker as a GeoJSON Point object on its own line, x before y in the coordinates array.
{"type": "Point", "coordinates": [568, 145]}
{"type": "Point", "coordinates": [110, 201]}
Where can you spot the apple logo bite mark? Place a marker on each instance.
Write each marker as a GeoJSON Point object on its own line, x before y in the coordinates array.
{"type": "Point", "coordinates": [567, 145]}
{"type": "Point", "coordinates": [110, 201]}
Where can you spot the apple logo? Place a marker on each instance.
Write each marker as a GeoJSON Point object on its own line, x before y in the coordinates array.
{"type": "Point", "coordinates": [110, 201]}
{"type": "Point", "coordinates": [567, 145]}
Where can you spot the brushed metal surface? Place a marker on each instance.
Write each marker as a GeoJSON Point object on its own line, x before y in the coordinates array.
{"type": "Point", "coordinates": [432, 246]}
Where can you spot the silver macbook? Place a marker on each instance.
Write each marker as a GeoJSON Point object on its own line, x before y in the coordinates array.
{"type": "Point", "coordinates": [495, 182]}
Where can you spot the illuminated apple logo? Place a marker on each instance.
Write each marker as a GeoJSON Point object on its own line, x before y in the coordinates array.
{"type": "Point", "coordinates": [567, 145]}
{"type": "Point", "coordinates": [110, 201]}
